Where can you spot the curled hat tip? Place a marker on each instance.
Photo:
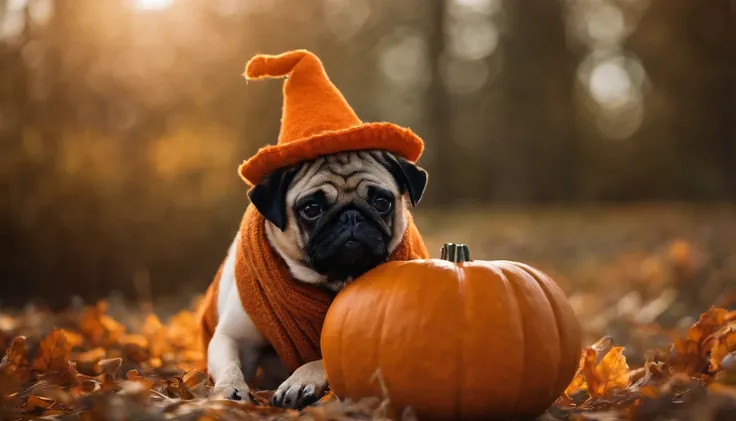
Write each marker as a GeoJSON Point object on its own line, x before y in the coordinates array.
{"type": "Point", "coordinates": [264, 65]}
{"type": "Point", "coordinates": [256, 67]}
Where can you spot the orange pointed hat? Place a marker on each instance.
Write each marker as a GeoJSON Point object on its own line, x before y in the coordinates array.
{"type": "Point", "coordinates": [316, 119]}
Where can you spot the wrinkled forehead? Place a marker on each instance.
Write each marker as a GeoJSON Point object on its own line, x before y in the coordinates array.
{"type": "Point", "coordinates": [341, 176]}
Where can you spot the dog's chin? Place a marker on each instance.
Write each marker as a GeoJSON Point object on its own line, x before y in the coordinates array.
{"type": "Point", "coordinates": [345, 263]}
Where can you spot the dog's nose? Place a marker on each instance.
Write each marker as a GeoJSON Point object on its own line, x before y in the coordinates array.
{"type": "Point", "coordinates": [351, 217]}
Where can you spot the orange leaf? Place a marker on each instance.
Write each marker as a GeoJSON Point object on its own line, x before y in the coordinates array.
{"type": "Point", "coordinates": [724, 342]}
{"type": "Point", "coordinates": [655, 373]}
{"type": "Point", "coordinates": [35, 402]}
{"type": "Point", "coordinates": [54, 353]}
{"type": "Point", "coordinates": [99, 328]}
{"type": "Point", "coordinates": [602, 368]}
{"type": "Point", "coordinates": [193, 378]}
{"type": "Point", "coordinates": [73, 338]}
{"type": "Point", "coordinates": [134, 376]}
{"type": "Point", "coordinates": [731, 316]}
{"type": "Point", "coordinates": [182, 331]}
{"type": "Point", "coordinates": [91, 356]}
{"type": "Point", "coordinates": [156, 335]}
{"type": "Point", "coordinates": [689, 355]}
{"type": "Point", "coordinates": [709, 323]}
{"type": "Point", "coordinates": [15, 363]}
{"type": "Point", "coordinates": [611, 373]}
{"type": "Point", "coordinates": [184, 391]}
{"type": "Point", "coordinates": [685, 357]}
{"type": "Point", "coordinates": [578, 382]}
{"type": "Point", "coordinates": [133, 339]}
{"type": "Point", "coordinates": [329, 396]}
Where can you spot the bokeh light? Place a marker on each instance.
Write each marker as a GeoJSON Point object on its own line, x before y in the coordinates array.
{"type": "Point", "coordinates": [403, 59]}
{"type": "Point", "coordinates": [610, 84]}
{"type": "Point", "coordinates": [614, 78]}
{"type": "Point", "coordinates": [472, 40]}
{"type": "Point", "coordinates": [152, 4]}
{"type": "Point", "coordinates": [346, 18]}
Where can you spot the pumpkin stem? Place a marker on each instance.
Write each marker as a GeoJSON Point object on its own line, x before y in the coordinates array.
{"type": "Point", "coordinates": [457, 253]}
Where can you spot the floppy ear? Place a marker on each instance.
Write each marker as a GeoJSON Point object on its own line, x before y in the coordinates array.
{"type": "Point", "coordinates": [409, 176]}
{"type": "Point", "coordinates": [269, 196]}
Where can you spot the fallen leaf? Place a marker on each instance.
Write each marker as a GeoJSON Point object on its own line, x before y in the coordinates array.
{"type": "Point", "coordinates": [722, 343]}
{"type": "Point", "coordinates": [99, 328]}
{"type": "Point", "coordinates": [602, 369]}
{"type": "Point", "coordinates": [183, 389]}
{"type": "Point", "coordinates": [54, 353]}
{"type": "Point", "coordinates": [15, 363]}
{"type": "Point", "coordinates": [35, 402]}
{"type": "Point", "coordinates": [74, 339]}
{"type": "Point", "coordinates": [690, 354]}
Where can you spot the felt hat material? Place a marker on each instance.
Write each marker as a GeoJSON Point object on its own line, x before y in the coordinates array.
{"type": "Point", "coordinates": [316, 119]}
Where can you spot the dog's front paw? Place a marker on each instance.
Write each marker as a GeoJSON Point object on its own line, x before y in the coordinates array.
{"type": "Point", "coordinates": [233, 392]}
{"type": "Point", "coordinates": [303, 388]}
{"type": "Point", "coordinates": [231, 385]}
{"type": "Point", "coordinates": [296, 395]}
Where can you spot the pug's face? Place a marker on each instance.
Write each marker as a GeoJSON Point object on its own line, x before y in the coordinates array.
{"type": "Point", "coordinates": [334, 218]}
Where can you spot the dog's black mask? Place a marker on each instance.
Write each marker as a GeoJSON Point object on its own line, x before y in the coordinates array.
{"type": "Point", "coordinates": [347, 242]}
{"type": "Point", "coordinates": [344, 239]}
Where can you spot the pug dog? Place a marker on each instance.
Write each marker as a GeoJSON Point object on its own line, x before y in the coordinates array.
{"type": "Point", "coordinates": [331, 220]}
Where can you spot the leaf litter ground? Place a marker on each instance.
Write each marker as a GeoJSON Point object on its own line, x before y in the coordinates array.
{"type": "Point", "coordinates": [89, 366]}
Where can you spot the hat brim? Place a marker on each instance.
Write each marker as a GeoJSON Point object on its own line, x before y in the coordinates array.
{"type": "Point", "coordinates": [382, 136]}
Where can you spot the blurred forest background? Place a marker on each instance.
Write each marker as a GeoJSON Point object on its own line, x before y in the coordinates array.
{"type": "Point", "coordinates": [552, 128]}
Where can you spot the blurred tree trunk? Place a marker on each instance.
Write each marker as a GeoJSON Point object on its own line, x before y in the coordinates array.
{"type": "Point", "coordinates": [439, 112]}
{"type": "Point", "coordinates": [539, 163]}
{"type": "Point", "coordinates": [688, 134]}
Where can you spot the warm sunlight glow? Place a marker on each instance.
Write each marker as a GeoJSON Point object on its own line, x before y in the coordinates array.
{"type": "Point", "coordinates": [152, 4]}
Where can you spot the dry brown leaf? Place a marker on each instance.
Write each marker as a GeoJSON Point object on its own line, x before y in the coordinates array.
{"type": "Point", "coordinates": [731, 316]}
{"type": "Point", "coordinates": [578, 382]}
{"type": "Point", "coordinates": [92, 356]}
{"type": "Point", "coordinates": [74, 339]}
{"type": "Point", "coordinates": [15, 363]}
{"type": "Point", "coordinates": [182, 331]}
{"type": "Point", "coordinates": [183, 390]}
{"type": "Point", "coordinates": [99, 328]}
{"type": "Point", "coordinates": [193, 378]}
{"type": "Point", "coordinates": [690, 354]}
{"type": "Point", "coordinates": [35, 402]}
{"type": "Point", "coordinates": [610, 374]}
{"type": "Point", "coordinates": [602, 370]}
{"type": "Point", "coordinates": [328, 397]}
{"type": "Point", "coordinates": [54, 353]}
{"type": "Point", "coordinates": [110, 366]}
{"type": "Point", "coordinates": [722, 344]}
{"type": "Point", "coordinates": [155, 333]}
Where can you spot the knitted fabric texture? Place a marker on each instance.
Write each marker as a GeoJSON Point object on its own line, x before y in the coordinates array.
{"type": "Point", "coordinates": [289, 313]}
{"type": "Point", "coordinates": [316, 119]}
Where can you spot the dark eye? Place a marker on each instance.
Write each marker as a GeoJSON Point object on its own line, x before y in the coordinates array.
{"type": "Point", "coordinates": [311, 210]}
{"type": "Point", "coordinates": [382, 204]}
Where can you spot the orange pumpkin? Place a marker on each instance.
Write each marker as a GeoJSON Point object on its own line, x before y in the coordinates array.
{"type": "Point", "coordinates": [453, 338]}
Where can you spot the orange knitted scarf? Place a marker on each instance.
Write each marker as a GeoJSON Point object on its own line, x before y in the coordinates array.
{"type": "Point", "coordinates": [289, 313]}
